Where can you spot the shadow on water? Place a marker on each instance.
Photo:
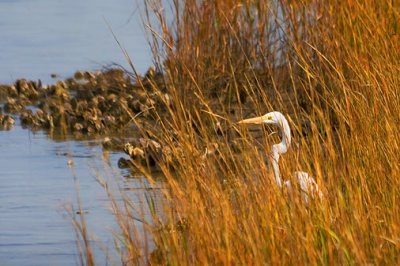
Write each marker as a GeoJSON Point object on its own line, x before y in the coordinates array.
{"type": "Point", "coordinates": [37, 183]}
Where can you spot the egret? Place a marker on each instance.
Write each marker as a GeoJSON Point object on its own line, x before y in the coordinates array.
{"type": "Point", "coordinates": [306, 183]}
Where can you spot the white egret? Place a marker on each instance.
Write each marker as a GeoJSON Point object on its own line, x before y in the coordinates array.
{"type": "Point", "coordinates": [306, 183]}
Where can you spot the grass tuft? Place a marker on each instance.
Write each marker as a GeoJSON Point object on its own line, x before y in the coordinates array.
{"type": "Point", "coordinates": [333, 69]}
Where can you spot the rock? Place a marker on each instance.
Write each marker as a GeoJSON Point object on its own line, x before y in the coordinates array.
{"type": "Point", "coordinates": [149, 143]}
{"type": "Point", "coordinates": [78, 127]}
{"type": "Point", "coordinates": [133, 152]}
{"type": "Point", "coordinates": [79, 75]}
{"type": "Point", "coordinates": [6, 122]}
{"type": "Point", "coordinates": [14, 106]}
{"type": "Point", "coordinates": [27, 118]}
{"type": "Point", "coordinates": [124, 163]}
{"type": "Point", "coordinates": [102, 101]}
{"type": "Point", "coordinates": [7, 91]}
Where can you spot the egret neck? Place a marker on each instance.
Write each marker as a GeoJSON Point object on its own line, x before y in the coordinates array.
{"type": "Point", "coordinates": [280, 148]}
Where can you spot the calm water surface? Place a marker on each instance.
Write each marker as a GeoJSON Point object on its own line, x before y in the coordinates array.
{"type": "Point", "coordinates": [41, 37]}
{"type": "Point", "coordinates": [36, 184]}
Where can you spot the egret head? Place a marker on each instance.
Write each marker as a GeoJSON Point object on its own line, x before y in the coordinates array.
{"type": "Point", "coordinates": [273, 118]}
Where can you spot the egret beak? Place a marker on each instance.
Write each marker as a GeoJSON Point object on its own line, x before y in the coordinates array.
{"type": "Point", "coordinates": [255, 120]}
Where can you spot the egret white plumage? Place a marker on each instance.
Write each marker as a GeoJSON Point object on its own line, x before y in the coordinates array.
{"type": "Point", "coordinates": [306, 183]}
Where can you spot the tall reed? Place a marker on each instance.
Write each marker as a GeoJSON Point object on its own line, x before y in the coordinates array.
{"type": "Point", "coordinates": [334, 69]}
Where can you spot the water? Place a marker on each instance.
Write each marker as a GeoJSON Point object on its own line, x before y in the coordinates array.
{"type": "Point", "coordinates": [42, 37]}
{"type": "Point", "coordinates": [36, 184]}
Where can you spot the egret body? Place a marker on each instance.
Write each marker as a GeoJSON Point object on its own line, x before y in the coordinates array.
{"type": "Point", "coordinates": [306, 183]}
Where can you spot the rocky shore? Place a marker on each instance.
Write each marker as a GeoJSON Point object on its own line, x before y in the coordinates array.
{"type": "Point", "coordinates": [104, 103]}
{"type": "Point", "coordinates": [90, 103]}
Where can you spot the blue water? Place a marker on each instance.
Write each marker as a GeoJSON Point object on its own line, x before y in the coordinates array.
{"type": "Point", "coordinates": [36, 185]}
{"type": "Point", "coordinates": [42, 37]}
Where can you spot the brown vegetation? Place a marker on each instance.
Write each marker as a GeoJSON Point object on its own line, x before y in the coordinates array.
{"type": "Point", "coordinates": [333, 68]}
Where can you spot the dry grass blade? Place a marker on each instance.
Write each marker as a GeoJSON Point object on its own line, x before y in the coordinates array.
{"type": "Point", "coordinates": [332, 69]}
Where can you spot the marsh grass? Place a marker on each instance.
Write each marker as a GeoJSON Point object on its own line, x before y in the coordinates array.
{"type": "Point", "coordinates": [334, 69]}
